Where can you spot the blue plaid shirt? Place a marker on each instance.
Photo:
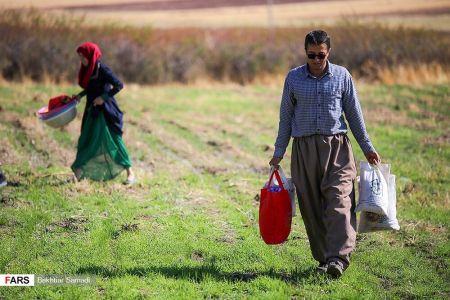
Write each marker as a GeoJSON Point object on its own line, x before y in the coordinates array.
{"type": "Point", "coordinates": [313, 105]}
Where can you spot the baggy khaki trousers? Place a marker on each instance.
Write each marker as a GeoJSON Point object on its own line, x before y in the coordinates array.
{"type": "Point", "coordinates": [323, 171]}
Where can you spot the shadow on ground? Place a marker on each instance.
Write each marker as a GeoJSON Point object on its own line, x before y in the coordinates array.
{"type": "Point", "coordinates": [200, 273]}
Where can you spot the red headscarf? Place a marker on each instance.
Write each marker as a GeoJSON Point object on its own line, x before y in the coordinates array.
{"type": "Point", "coordinates": [92, 52]}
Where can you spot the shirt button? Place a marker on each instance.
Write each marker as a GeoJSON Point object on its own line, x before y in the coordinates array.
{"type": "Point", "coordinates": [318, 105]}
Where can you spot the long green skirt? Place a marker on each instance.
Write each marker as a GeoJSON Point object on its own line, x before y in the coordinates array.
{"type": "Point", "coordinates": [101, 152]}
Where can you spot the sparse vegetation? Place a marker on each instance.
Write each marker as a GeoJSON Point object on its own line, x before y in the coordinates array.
{"type": "Point", "coordinates": [40, 47]}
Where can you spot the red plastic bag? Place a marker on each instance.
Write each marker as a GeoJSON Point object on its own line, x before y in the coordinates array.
{"type": "Point", "coordinates": [275, 212]}
{"type": "Point", "coordinates": [58, 101]}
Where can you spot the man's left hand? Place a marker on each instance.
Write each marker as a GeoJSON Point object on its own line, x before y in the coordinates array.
{"type": "Point", "coordinates": [373, 158]}
{"type": "Point", "coordinates": [98, 101]}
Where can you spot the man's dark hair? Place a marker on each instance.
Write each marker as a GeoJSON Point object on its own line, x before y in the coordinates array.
{"type": "Point", "coordinates": [317, 37]}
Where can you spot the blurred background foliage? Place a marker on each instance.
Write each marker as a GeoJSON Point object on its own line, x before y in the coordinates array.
{"type": "Point", "coordinates": [41, 47]}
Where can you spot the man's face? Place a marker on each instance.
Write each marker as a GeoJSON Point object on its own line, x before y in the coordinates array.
{"type": "Point", "coordinates": [317, 56]}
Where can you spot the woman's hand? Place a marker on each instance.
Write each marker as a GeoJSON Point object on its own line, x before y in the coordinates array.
{"type": "Point", "coordinates": [98, 101]}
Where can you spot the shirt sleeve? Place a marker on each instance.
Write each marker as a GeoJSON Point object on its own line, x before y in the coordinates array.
{"type": "Point", "coordinates": [112, 79]}
{"type": "Point", "coordinates": [285, 124]}
{"type": "Point", "coordinates": [354, 115]}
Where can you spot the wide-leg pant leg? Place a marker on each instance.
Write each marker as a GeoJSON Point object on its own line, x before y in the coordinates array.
{"type": "Point", "coordinates": [337, 188]}
{"type": "Point", "coordinates": [323, 171]}
{"type": "Point", "coordinates": [305, 172]}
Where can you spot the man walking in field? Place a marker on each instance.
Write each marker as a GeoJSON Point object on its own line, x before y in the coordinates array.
{"type": "Point", "coordinates": [315, 98]}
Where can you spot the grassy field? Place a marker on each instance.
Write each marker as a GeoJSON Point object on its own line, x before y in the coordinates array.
{"type": "Point", "coordinates": [189, 228]}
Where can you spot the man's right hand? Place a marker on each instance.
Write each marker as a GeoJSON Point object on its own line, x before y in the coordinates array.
{"type": "Point", "coordinates": [275, 162]}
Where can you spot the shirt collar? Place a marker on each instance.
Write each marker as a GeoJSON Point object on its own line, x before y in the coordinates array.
{"type": "Point", "coordinates": [328, 70]}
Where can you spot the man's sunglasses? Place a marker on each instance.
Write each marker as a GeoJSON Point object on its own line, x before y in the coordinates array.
{"type": "Point", "coordinates": [313, 55]}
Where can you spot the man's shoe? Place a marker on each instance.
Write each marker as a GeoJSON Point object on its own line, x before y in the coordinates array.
{"type": "Point", "coordinates": [336, 268]}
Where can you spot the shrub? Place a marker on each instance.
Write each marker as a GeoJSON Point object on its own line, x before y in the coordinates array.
{"type": "Point", "coordinates": [41, 46]}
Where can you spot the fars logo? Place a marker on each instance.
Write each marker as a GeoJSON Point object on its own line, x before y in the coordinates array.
{"type": "Point", "coordinates": [16, 279]}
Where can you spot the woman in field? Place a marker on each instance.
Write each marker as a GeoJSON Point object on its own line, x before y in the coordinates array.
{"type": "Point", "coordinates": [101, 153]}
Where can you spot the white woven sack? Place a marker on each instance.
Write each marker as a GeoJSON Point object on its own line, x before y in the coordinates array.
{"type": "Point", "coordinates": [373, 190]}
{"type": "Point", "coordinates": [369, 222]}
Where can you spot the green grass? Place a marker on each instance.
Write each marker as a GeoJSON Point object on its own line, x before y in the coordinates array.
{"type": "Point", "coordinates": [189, 228]}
